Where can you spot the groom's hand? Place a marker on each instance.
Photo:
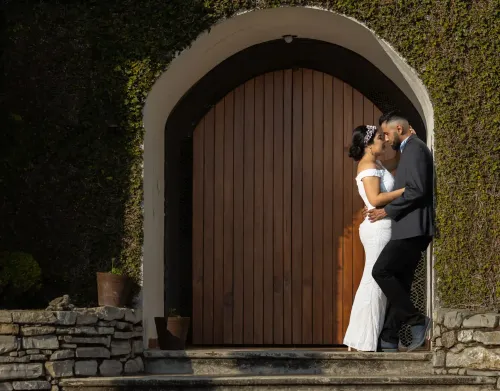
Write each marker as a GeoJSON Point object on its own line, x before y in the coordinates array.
{"type": "Point", "coordinates": [376, 214]}
{"type": "Point", "coordinates": [365, 212]}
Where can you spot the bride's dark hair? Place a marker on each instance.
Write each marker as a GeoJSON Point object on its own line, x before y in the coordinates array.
{"type": "Point", "coordinates": [357, 148]}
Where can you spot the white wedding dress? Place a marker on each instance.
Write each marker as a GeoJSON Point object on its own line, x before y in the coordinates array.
{"type": "Point", "coordinates": [368, 309]}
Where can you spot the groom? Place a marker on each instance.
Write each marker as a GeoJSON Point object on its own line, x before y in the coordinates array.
{"type": "Point", "coordinates": [412, 217]}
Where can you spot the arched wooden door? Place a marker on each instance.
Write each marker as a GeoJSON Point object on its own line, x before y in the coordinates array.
{"type": "Point", "coordinates": [276, 254]}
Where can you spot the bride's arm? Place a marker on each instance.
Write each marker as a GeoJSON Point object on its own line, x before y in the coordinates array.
{"type": "Point", "coordinates": [375, 197]}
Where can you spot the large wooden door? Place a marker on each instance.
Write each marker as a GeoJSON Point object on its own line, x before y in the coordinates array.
{"type": "Point", "coordinates": [276, 253]}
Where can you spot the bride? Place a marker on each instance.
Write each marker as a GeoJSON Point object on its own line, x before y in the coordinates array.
{"type": "Point", "coordinates": [375, 186]}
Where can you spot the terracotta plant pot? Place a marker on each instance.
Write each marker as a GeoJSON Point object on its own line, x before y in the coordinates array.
{"type": "Point", "coordinates": [172, 332]}
{"type": "Point", "coordinates": [113, 290]}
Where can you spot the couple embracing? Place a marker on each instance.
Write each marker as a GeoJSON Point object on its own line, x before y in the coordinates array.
{"type": "Point", "coordinates": [398, 227]}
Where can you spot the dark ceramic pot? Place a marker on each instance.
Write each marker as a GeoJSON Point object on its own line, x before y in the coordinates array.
{"type": "Point", "coordinates": [113, 290]}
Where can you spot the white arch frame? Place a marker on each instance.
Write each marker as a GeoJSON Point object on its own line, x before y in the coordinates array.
{"type": "Point", "coordinates": [225, 39]}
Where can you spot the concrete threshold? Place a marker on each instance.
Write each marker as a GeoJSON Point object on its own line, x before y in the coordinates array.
{"type": "Point", "coordinates": [298, 354]}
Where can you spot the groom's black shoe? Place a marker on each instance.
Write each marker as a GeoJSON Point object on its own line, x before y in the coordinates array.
{"type": "Point", "coordinates": [388, 347]}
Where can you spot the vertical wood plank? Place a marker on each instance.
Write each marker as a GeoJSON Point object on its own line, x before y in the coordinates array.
{"type": "Point", "coordinates": [198, 200]}
{"type": "Point", "coordinates": [278, 207]}
{"type": "Point", "coordinates": [248, 202]}
{"type": "Point", "coordinates": [268, 208]}
{"type": "Point", "coordinates": [362, 114]}
{"type": "Point", "coordinates": [307, 212]}
{"type": "Point", "coordinates": [348, 229]}
{"type": "Point", "coordinates": [297, 208]}
{"type": "Point", "coordinates": [238, 213]}
{"type": "Point", "coordinates": [219, 225]}
{"type": "Point", "coordinates": [228, 217]}
{"type": "Point", "coordinates": [287, 208]}
{"type": "Point", "coordinates": [258, 281]}
{"type": "Point", "coordinates": [328, 238]}
{"type": "Point", "coordinates": [208, 230]}
{"type": "Point", "coordinates": [317, 207]}
{"type": "Point", "coordinates": [338, 199]}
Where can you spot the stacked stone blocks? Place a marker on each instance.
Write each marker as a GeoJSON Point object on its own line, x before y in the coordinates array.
{"type": "Point", "coordinates": [466, 343]}
{"type": "Point", "coordinates": [38, 348]}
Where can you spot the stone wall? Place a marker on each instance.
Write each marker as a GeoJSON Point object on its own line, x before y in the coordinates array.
{"type": "Point", "coordinates": [37, 348]}
{"type": "Point", "coordinates": [466, 343]}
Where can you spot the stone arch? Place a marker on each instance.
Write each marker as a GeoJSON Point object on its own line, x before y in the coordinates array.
{"type": "Point", "coordinates": [210, 49]}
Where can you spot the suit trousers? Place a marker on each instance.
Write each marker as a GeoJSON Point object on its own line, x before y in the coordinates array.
{"type": "Point", "coordinates": [394, 272]}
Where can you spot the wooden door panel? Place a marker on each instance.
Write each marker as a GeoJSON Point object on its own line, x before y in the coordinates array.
{"type": "Point", "coordinates": [248, 207]}
{"type": "Point", "coordinates": [198, 193]}
{"type": "Point", "coordinates": [238, 215]}
{"type": "Point", "coordinates": [287, 206]}
{"type": "Point", "coordinates": [276, 252]}
{"type": "Point", "coordinates": [268, 335]}
{"type": "Point", "coordinates": [338, 215]}
{"type": "Point", "coordinates": [317, 209]}
{"type": "Point", "coordinates": [327, 211]}
{"type": "Point", "coordinates": [218, 300]}
{"type": "Point", "coordinates": [297, 198]}
{"type": "Point", "coordinates": [307, 205]}
{"type": "Point", "coordinates": [228, 228]}
{"type": "Point", "coordinates": [208, 228]}
{"type": "Point", "coordinates": [258, 260]}
{"type": "Point", "coordinates": [278, 208]}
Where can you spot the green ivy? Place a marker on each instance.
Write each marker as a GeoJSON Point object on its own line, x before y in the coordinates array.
{"type": "Point", "coordinates": [76, 80]}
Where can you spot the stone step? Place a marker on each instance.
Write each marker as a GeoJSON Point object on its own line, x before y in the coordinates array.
{"type": "Point", "coordinates": [290, 361]}
{"type": "Point", "coordinates": [282, 383]}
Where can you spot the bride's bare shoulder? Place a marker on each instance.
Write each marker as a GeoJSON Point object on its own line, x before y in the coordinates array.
{"type": "Point", "coordinates": [362, 166]}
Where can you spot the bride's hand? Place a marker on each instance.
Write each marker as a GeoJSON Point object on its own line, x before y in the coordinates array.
{"type": "Point", "coordinates": [365, 212]}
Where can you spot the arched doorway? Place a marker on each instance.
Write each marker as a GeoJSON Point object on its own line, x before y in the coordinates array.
{"type": "Point", "coordinates": [176, 97]}
{"type": "Point", "coordinates": [276, 255]}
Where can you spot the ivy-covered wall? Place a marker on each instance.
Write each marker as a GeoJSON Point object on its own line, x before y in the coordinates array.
{"type": "Point", "coordinates": [76, 77]}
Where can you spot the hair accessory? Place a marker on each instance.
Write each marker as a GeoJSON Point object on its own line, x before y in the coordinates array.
{"type": "Point", "coordinates": [369, 133]}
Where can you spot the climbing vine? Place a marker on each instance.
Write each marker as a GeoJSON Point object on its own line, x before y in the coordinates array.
{"type": "Point", "coordinates": [76, 78]}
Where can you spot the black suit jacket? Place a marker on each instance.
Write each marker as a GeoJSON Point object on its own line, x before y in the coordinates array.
{"type": "Point", "coordinates": [412, 214]}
